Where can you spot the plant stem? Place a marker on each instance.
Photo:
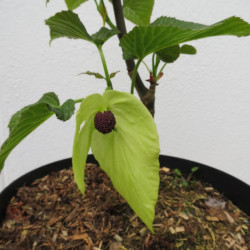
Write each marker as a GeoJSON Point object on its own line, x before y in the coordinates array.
{"type": "Point", "coordinates": [120, 22]}
{"type": "Point", "coordinates": [146, 67]}
{"type": "Point", "coordinates": [134, 76]}
{"type": "Point", "coordinates": [162, 68]}
{"type": "Point", "coordinates": [107, 77]}
{"type": "Point", "coordinates": [78, 100]}
{"type": "Point", "coordinates": [111, 25]}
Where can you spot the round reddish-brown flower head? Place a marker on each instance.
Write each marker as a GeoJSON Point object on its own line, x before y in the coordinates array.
{"type": "Point", "coordinates": [105, 122]}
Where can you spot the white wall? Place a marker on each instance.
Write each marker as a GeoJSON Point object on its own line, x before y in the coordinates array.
{"type": "Point", "coordinates": [203, 102]}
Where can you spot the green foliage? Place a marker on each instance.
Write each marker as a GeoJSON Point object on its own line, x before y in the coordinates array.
{"type": "Point", "coordinates": [67, 24]}
{"type": "Point", "coordinates": [103, 35]}
{"type": "Point", "coordinates": [188, 49]}
{"type": "Point", "coordinates": [129, 154]}
{"type": "Point", "coordinates": [95, 74]}
{"type": "Point", "coordinates": [73, 4]}
{"type": "Point", "coordinates": [66, 111]}
{"type": "Point", "coordinates": [170, 54]}
{"type": "Point", "coordinates": [138, 12]}
{"type": "Point", "coordinates": [167, 32]}
{"type": "Point", "coordinates": [25, 121]}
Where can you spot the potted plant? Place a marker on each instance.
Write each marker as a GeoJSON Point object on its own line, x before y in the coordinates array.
{"type": "Point", "coordinates": [117, 126]}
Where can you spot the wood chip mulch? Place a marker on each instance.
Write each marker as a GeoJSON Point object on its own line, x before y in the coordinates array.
{"type": "Point", "coordinates": [53, 214]}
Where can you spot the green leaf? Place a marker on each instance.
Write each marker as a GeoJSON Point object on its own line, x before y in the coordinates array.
{"type": "Point", "coordinates": [73, 4]}
{"type": "Point", "coordinates": [25, 121]}
{"type": "Point", "coordinates": [188, 49]}
{"type": "Point", "coordinates": [66, 111]}
{"type": "Point", "coordinates": [194, 169]}
{"type": "Point", "coordinates": [113, 74]}
{"type": "Point", "coordinates": [82, 140]}
{"type": "Point", "coordinates": [169, 54]}
{"type": "Point", "coordinates": [138, 12]}
{"type": "Point", "coordinates": [67, 24]}
{"type": "Point", "coordinates": [97, 75]}
{"type": "Point", "coordinates": [100, 37]}
{"type": "Point", "coordinates": [178, 172]}
{"type": "Point", "coordinates": [129, 154]}
{"type": "Point", "coordinates": [167, 32]}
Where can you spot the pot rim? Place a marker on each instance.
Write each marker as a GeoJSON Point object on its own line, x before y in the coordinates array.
{"type": "Point", "coordinates": [232, 188]}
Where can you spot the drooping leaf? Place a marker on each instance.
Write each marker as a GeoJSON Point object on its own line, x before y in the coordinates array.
{"type": "Point", "coordinates": [65, 111]}
{"type": "Point", "coordinates": [100, 37]}
{"type": "Point", "coordinates": [113, 74]}
{"type": "Point", "coordinates": [188, 49]}
{"type": "Point", "coordinates": [82, 140]}
{"type": "Point", "coordinates": [129, 154]}
{"type": "Point", "coordinates": [169, 54]}
{"type": "Point", "coordinates": [97, 75]}
{"type": "Point", "coordinates": [67, 24]}
{"type": "Point", "coordinates": [25, 121]}
{"type": "Point", "coordinates": [166, 32]}
{"type": "Point", "coordinates": [138, 12]}
{"type": "Point", "coordinates": [73, 4]}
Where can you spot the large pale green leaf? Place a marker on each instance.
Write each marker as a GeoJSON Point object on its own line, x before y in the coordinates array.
{"type": "Point", "coordinates": [129, 154]}
{"type": "Point", "coordinates": [138, 12]}
{"type": "Point", "coordinates": [25, 121]}
{"type": "Point", "coordinates": [166, 32]}
{"type": "Point", "coordinates": [83, 134]}
{"type": "Point", "coordinates": [67, 24]}
{"type": "Point", "coordinates": [103, 35]}
{"type": "Point", "coordinates": [73, 4]}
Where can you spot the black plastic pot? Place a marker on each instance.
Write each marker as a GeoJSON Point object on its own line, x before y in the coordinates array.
{"type": "Point", "coordinates": [234, 189]}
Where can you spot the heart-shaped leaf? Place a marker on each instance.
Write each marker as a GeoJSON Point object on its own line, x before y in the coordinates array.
{"type": "Point", "coordinates": [128, 154]}
{"type": "Point", "coordinates": [166, 32]}
{"type": "Point", "coordinates": [138, 12]}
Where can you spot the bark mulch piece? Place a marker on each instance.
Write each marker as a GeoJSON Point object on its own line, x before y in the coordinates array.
{"type": "Point", "coordinates": [53, 214]}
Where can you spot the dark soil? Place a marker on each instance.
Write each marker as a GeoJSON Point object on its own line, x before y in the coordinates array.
{"type": "Point", "coordinates": [53, 214]}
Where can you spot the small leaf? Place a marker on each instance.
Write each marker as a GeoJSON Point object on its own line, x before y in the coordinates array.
{"type": "Point", "coordinates": [138, 12]}
{"type": "Point", "coordinates": [113, 74]}
{"type": "Point", "coordinates": [67, 24]}
{"type": "Point", "coordinates": [25, 121]}
{"type": "Point", "coordinates": [65, 112]}
{"type": "Point", "coordinates": [100, 37]}
{"type": "Point", "coordinates": [97, 75]}
{"type": "Point", "coordinates": [178, 172]}
{"type": "Point", "coordinates": [194, 169]}
{"type": "Point", "coordinates": [167, 32]}
{"type": "Point", "coordinates": [188, 49]}
{"type": "Point", "coordinates": [73, 4]}
{"type": "Point", "coordinates": [169, 54]}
